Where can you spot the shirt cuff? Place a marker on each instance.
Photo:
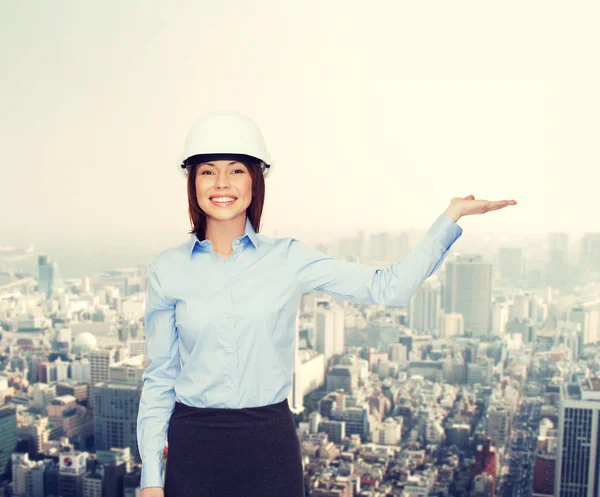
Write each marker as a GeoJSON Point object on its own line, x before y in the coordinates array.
{"type": "Point", "coordinates": [445, 230]}
{"type": "Point", "coordinates": [152, 474]}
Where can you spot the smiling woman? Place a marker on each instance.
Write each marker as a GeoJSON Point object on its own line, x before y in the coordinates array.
{"type": "Point", "coordinates": [221, 334]}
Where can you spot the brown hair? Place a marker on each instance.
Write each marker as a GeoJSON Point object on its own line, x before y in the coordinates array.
{"type": "Point", "coordinates": [253, 212]}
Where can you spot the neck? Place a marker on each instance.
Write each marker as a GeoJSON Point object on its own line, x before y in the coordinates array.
{"type": "Point", "coordinates": [222, 233]}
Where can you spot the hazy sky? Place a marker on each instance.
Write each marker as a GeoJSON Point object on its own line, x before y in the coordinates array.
{"type": "Point", "coordinates": [376, 113]}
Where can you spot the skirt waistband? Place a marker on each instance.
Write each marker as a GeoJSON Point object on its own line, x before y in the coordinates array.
{"type": "Point", "coordinates": [223, 416]}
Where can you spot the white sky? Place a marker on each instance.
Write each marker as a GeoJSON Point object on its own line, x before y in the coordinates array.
{"type": "Point", "coordinates": [376, 113]}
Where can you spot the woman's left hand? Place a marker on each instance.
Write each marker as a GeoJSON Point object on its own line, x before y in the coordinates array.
{"type": "Point", "coordinates": [467, 206]}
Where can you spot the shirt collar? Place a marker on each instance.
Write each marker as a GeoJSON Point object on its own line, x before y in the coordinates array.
{"type": "Point", "coordinates": [248, 233]}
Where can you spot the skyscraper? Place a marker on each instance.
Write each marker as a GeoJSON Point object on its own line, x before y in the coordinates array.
{"type": "Point", "coordinates": [589, 257]}
{"type": "Point", "coordinates": [468, 291]}
{"type": "Point", "coordinates": [100, 362]}
{"type": "Point", "coordinates": [8, 436]}
{"type": "Point", "coordinates": [425, 306]}
{"type": "Point", "coordinates": [49, 277]}
{"type": "Point", "coordinates": [578, 454]}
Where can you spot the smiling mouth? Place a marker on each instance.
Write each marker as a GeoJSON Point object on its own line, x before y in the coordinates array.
{"type": "Point", "coordinates": [223, 204]}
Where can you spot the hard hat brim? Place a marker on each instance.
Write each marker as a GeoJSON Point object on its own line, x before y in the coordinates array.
{"type": "Point", "coordinates": [187, 163]}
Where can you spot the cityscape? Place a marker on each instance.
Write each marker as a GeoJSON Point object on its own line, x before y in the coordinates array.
{"type": "Point", "coordinates": [486, 384]}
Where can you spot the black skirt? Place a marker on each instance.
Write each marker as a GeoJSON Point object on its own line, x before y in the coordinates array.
{"type": "Point", "coordinates": [222, 452]}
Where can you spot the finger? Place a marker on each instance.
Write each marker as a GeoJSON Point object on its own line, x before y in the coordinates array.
{"type": "Point", "coordinates": [502, 203]}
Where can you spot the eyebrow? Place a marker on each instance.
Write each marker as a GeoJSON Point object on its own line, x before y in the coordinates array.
{"type": "Point", "coordinates": [211, 164]}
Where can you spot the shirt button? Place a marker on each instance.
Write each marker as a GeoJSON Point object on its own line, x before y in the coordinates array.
{"type": "Point", "coordinates": [227, 315]}
{"type": "Point", "coordinates": [229, 349]}
{"type": "Point", "coordinates": [231, 385]}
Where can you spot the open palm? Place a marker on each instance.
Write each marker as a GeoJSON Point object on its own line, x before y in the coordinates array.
{"type": "Point", "coordinates": [468, 206]}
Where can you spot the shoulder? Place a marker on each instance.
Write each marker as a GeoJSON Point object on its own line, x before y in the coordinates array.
{"type": "Point", "coordinates": [295, 251]}
{"type": "Point", "coordinates": [285, 242]}
{"type": "Point", "coordinates": [271, 243]}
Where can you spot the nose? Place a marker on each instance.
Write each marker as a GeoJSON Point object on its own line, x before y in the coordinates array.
{"type": "Point", "coordinates": [222, 181]}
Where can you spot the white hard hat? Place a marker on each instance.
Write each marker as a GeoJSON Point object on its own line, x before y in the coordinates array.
{"type": "Point", "coordinates": [225, 135]}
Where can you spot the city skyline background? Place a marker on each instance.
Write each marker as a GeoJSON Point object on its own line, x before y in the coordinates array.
{"type": "Point", "coordinates": [486, 381]}
{"type": "Point", "coordinates": [374, 123]}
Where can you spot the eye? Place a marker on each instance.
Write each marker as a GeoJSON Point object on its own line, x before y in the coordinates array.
{"type": "Point", "coordinates": [208, 171]}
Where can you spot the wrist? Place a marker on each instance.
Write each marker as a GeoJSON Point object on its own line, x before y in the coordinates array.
{"type": "Point", "coordinates": [452, 213]}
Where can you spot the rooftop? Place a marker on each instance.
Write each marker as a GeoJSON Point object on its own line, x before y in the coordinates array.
{"type": "Point", "coordinates": [591, 385]}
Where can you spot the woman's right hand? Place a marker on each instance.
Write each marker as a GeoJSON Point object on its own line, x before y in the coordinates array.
{"type": "Point", "coordinates": [153, 492]}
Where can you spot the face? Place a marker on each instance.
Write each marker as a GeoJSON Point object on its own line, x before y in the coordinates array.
{"type": "Point", "coordinates": [223, 178]}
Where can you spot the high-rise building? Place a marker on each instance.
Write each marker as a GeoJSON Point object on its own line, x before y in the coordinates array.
{"type": "Point", "coordinates": [544, 473]}
{"type": "Point", "coordinates": [480, 372]}
{"type": "Point", "coordinates": [36, 434]}
{"type": "Point", "coordinates": [36, 479]}
{"type": "Point", "coordinates": [92, 484]}
{"type": "Point", "coordinates": [588, 315]}
{"type": "Point", "coordinates": [589, 258]}
{"type": "Point", "coordinates": [451, 325]}
{"type": "Point", "coordinates": [578, 451]}
{"type": "Point", "coordinates": [116, 463]}
{"type": "Point", "coordinates": [344, 377]}
{"type": "Point", "coordinates": [116, 405]}
{"type": "Point", "coordinates": [336, 430]}
{"type": "Point", "coordinates": [468, 291]}
{"type": "Point", "coordinates": [486, 466]}
{"type": "Point", "coordinates": [50, 280]}
{"type": "Point", "coordinates": [51, 471]}
{"type": "Point", "coordinates": [397, 352]}
{"type": "Point", "coordinates": [498, 425]}
{"type": "Point", "coordinates": [33, 368]}
{"type": "Point", "coordinates": [500, 311]}
{"type": "Point", "coordinates": [329, 328]}
{"type": "Point", "coordinates": [21, 465]}
{"type": "Point", "coordinates": [72, 467]}
{"type": "Point", "coordinates": [520, 307]}
{"type": "Point", "coordinates": [8, 436]}
{"type": "Point", "coordinates": [42, 394]}
{"type": "Point", "coordinates": [425, 306]}
{"type": "Point", "coordinates": [80, 370]}
{"type": "Point", "coordinates": [100, 362]}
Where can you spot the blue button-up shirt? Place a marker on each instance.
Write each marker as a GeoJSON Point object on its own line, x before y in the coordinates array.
{"type": "Point", "coordinates": [222, 332]}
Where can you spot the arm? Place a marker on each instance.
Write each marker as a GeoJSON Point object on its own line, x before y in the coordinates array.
{"type": "Point", "coordinates": [162, 367]}
{"type": "Point", "coordinates": [362, 284]}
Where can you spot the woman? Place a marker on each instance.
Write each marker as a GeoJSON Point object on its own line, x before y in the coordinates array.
{"type": "Point", "coordinates": [220, 323]}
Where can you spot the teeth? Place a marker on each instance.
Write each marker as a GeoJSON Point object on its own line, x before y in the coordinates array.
{"type": "Point", "coordinates": [222, 199]}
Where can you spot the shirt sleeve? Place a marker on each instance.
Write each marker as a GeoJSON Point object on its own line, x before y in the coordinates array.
{"type": "Point", "coordinates": [363, 284]}
{"type": "Point", "coordinates": [162, 368]}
